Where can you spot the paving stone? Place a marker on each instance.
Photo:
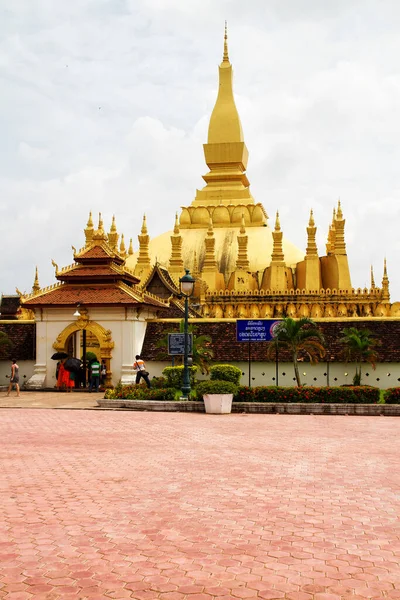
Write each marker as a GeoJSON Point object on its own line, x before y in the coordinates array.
{"type": "Point", "coordinates": [183, 506]}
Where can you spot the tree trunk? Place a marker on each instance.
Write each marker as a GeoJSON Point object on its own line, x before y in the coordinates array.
{"type": "Point", "coordinates": [296, 369]}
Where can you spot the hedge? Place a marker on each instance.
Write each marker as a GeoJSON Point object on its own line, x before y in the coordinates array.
{"type": "Point", "coordinates": [392, 395]}
{"type": "Point", "coordinates": [225, 373]}
{"type": "Point", "coordinates": [174, 376]}
{"type": "Point", "coordinates": [339, 395]}
{"type": "Point", "coordinates": [140, 392]}
{"type": "Point", "coordinates": [214, 387]}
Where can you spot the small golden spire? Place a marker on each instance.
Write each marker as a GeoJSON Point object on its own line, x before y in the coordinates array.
{"type": "Point", "coordinates": [143, 261]}
{"type": "Point", "coordinates": [372, 278]}
{"type": "Point", "coordinates": [277, 249]}
{"type": "Point", "coordinates": [210, 261]}
{"type": "Point", "coordinates": [334, 216]}
{"type": "Point", "coordinates": [242, 225]}
{"type": "Point", "coordinates": [210, 230]}
{"type": "Point", "coordinates": [176, 226]}
{"type": "Point", "coordinates": [100, 227]}
{"type": "Point", "coordinates": [176, 260]}
{"type": "Point", "coordinates": [339, 214]}
{"type": "Point", "coordinates": [312, 250]}
{"type": "Point", "coordinates": [122, 249]}
{"type": "Point", "coordinates": [242, 261]}
{"type": "Point", "coordinates": [36, 286]}
{"type": "Point", "coordinates": [225, 57]}
{"type": "Point", "coordinates": [385, 284]}
{"type": "Point", "coordinates": [277, 222]}
{"type": "Point", "coordinates": [89, 230]}
{"type": "Point", "coordinates": [144, 226]}
{"type": "Point", "coordinates": [113, 235]}
{"type": "Point", "coordinates": [130, 250]}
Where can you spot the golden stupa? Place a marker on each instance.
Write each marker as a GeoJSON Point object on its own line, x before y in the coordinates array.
{"type": "Point", "coordinates": [243, 267]}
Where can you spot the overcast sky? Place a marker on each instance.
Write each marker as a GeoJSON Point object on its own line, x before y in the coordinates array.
{"type": "Point", "coordinates": [105, 104]}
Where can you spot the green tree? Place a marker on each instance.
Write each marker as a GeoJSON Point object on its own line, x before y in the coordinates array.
{"type": "Point", "coordinates": [299, 337]}
{"type": "Point", "coordinates": [359, 345]}
{"type": "Point", "coordinates": [202, 351]}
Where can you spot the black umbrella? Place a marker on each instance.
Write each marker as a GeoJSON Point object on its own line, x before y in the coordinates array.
{"type": "Point", "coordinates": [59, 356]}
{"type": "Point", "coordinates": [72, 364]}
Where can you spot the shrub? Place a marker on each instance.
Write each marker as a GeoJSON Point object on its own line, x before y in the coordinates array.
{"type": "Point", "coordinates": [159, 383]}
{"type": "Point", "coordinates": [174, 376]}
{"type": "Point", "coordinates": [392, 395]}
{"type": "Point", "coordinates": [339, 395]}
{"type": "Point", "coordinates": [215, 387]}
{"type": "Point", "coordinates": [225, 373]}
{"type": "Point", "coordinates": [140, 392]}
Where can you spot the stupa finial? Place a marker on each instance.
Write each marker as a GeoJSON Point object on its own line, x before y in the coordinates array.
{"type": "Point", "coordinates": [144, 226]}
{"type": "Point", "coordinates": [311, 222]}
{"type": "Point", "coordinates": [130, 250]}
{"type": "Point", "coordinates": [277, 222]}
{"type": "Point", "coordinates": [122, 249]}
{"type": "Point", "coordinates": [176, 226]}
{"type": "Point", "coordinates": [225, 57]}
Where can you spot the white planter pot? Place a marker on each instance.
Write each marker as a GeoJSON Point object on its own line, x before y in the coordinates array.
{"type": "Point", "coordinates": [218, 404]}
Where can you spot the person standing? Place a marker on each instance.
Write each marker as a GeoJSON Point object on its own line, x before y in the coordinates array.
{"type": "Point", "coordinates": [94, 375]}
{"type": "Point", "coordinates": [103, 373]}
{"type": "Point", "coordinates": [14, 379]}
{"type": "Point", "coordinates": [141, 371]}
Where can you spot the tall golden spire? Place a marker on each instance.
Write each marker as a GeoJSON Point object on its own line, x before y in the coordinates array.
{"type": "Point", "coordinates": [89, 230]}
{"type": "Point", "coordinates": [277, 250]}
{"type": "Point", "coordinates": [100, 235]}
{"type": "Point", "coordinates": [176, 261]}
{"type": "Point", "coordinates": [372, 278]}
{"type": "Point", "coordinates": [311, 250]}
{"type": "Point", "coordinates": [330, 244]}
{"type": "Point", "coordinates": [36, 286]}
{"type": "Point", "coordinates": [225, 125]}
{"type": "Point", "coordinates": [113, 235]}
{"type": "Point", "coordinates": [210, 262]}
{"type": "Point", "coordinates": [339, 244]}
{"type": "Point", "coordinates": [385, 284]}
{"type": "Point", "coordinates": [143, 261]}
{"type": "Point", "coordinates": [242, 259]}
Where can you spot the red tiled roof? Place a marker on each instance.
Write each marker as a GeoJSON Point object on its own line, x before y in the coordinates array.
{"type": "Point", "coordinates": [94, 252]}
{"type": "Point", "coordinates": [91, 294]}
{"type": "Point", "coordinates": [97, 271]}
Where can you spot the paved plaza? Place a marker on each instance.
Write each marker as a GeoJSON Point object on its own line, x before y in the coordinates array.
{"type": "Point", "coordinates": [184, 506]}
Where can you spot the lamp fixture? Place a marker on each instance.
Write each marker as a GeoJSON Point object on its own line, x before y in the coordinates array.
{"type": "Point", "coordinates": [77, 313]}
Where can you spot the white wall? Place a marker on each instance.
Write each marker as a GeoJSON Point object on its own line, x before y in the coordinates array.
{"type": "Point", "coordinates": [263, 373]}
{"type": "Point", "coordinates": [25, 371]}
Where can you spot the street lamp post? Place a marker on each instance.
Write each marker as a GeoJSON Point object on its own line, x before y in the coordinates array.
{"type": "Point", "coordinates": [187, 284]}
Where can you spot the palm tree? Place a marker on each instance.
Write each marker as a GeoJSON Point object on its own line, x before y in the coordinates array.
{"type": "Point", "coordinates": [359, 345]}
{"type": "Point", "coordinates": [202, 352]}
{"type": "Point", "coordinates": [298, 336]}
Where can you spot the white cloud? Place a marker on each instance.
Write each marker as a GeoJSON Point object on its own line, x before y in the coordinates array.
{"type": "Point", "coordinates": [105, 106]}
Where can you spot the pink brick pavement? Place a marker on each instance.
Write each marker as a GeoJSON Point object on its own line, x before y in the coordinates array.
{"type": "Point", "coordinates": [100, 504]}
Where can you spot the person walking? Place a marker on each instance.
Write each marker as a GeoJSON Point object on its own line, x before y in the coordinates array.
{"type": "Point", "coordinates": [14, 379]}
{"type": "Point", "coordinates": [94, 375]}
{"type": "Point", "coordinates": [141, 371]}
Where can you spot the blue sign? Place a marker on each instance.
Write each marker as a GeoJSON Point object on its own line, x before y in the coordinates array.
{"type": "Point", "coordinates": [255, 330]}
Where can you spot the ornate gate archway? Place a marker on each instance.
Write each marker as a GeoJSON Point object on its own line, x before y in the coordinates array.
{"type": "Point", "coordinates": [102, 334]}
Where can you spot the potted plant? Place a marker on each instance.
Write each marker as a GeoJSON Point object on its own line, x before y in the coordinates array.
{"type": "Point", "coordinates": [217, 395]}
